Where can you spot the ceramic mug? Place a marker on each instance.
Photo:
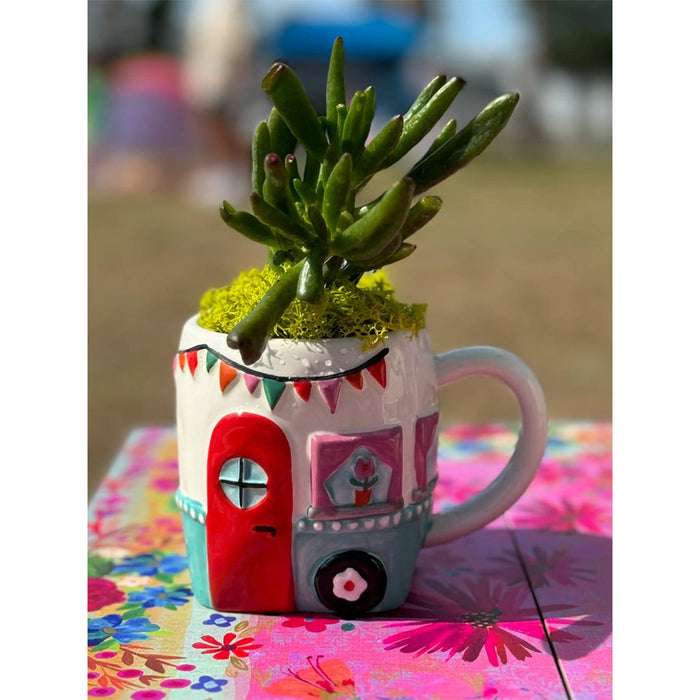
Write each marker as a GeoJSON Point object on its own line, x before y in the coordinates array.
{"type": "Point", "coordinates": [306, 479]}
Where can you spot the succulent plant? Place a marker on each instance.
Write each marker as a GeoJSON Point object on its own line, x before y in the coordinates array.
{"type": "Point", "coordinates": [306, 211]}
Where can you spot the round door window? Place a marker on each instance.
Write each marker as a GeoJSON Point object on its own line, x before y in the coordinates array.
{"type": "Point", "coordinates": [243, 481]}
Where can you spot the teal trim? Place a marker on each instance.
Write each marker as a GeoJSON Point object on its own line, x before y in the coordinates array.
{"type": "Point", "coordinates": [190, 507]}
{"type": "Point", "coordinates": [193, 524]}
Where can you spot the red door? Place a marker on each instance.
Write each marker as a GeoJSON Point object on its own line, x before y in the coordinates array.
{"type": "Point", "coordinates": [249, 516]}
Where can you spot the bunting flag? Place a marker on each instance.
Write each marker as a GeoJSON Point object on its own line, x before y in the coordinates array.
{"type": "Point", "coordinates": [251, 382]}
{"type": "Point", "coordinates": [273, 389]}
{"type": "Point", "coordinates": [226, 375]}
{"type": "Point", "coordinates": [330, 390]}
{"type": "Point", "coordinates": [211, 360]}
{"type": "Point", "coordinates": [192, 359]}
{"type": "Point", "coordinates": [355, 380]}
{"type": "Point", "coordinates": [378, 371]}
{"type": "Point", "coordinates": [303, 389]}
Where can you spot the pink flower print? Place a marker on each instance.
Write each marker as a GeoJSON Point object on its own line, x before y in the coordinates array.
{"type": "Point", "coordinates": [542, 568]}
{"type": "Point", "coordinates": [565, 516]}
{"type": "Point", "coordinates": [482, 617]}
{"type": "Point", "coordinates": [364, 467]}
{"type": "Point", "coordinates": [311, 624]}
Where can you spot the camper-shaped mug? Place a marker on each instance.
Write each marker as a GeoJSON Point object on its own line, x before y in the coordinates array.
{"type": "Point", "coordinates": [306, 478]}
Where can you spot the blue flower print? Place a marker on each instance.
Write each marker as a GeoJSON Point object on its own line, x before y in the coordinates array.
{"type": "Point", "coordinates": [160, 597]}
{"type": "Point", "coordinates": [219, 620]}
{"type": "Point", "coordinates": [124, 631]}
{"type": "Point", "coordinates": [149, 565]}
{"type": "Point", "coordinates": [211, 685]}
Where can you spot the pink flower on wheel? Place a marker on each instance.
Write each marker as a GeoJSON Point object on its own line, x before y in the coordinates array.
{"type": "Point", "coordinates": [223, 649]}
{"type": "Point", "coordinates": [482, 617]}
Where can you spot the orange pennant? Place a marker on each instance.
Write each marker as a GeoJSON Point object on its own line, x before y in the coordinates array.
{"type": "Point", "coordinates": [181, 359]}
{"type": "Point", "coordinates": [355, 379]}
{"type": "Point", "coordinates": [226, 375]}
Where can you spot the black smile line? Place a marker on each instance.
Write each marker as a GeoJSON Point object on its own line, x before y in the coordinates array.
{"type": "Point", "coordinates": [246, 370]}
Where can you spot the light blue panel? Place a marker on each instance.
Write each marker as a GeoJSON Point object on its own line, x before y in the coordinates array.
{"type": "Point", "coordinates": [193, 523]}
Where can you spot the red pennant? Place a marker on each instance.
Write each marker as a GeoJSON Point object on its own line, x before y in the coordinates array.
{"type": "Point", "coordinates": [303, 389]}
{"type": "Point", "coordinates": [192, 360]}
{"type": "Point", "coordinates": [355, 379]}
{"type": "Point", "coordinates": [378, 371]}
{"type": "Point", "coordinates": [226, 375]}
{"type": "Point", "coordinates": [181, 359]}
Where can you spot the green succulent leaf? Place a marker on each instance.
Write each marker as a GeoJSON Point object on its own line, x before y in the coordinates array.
{"type": "Point", "coordinates": [337, 190]}
{"type": "Point", "coordinates": [261, 146]}
{"type": "Point", "coordinates": [378, 150]}
{"type": "Point", "coordinates": [420, 214]}
{"type": "Point", "coordinates": [368, 236]}
{"type": "Point", "coordinates": [250, 335]}
{"type": "Point", "coordinates": [282, 140]}
{"type": "Point", "coordinates": [424, 97]}
{"type": "Point", "coordinates": [335, 83]}
{"type": "Point", "coordinates": [277, 219]}
{"type": "Point", "coordinates": [247, 224]}
{"type": "Point", "coordinates": [291, 101]}
{"type": "Point", "coordinates": [310, 287]}
{"type": "Point", "coordinates": [465, 145]}
{"type": "Point", "coordinates": [417, 126]}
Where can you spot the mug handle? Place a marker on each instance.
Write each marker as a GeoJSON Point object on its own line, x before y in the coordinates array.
{"type": "Point", "coordinates": [510, 484]}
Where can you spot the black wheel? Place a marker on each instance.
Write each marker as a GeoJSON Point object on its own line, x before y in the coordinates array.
{"type": "Point", "coordinates": [350, 582]}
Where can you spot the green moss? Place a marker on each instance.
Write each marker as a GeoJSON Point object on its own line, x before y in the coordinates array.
{"type": "Point", "coordinates": [368, 310]}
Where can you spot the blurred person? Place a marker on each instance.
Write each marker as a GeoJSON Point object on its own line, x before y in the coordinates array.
{"type": "Point", "coordinates": [217, 50]}
{"type": "Point", "coordinates": [144, 136]}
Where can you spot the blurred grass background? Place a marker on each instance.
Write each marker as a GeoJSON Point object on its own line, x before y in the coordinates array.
{"type": "Point", "coordinates": [520, 255]}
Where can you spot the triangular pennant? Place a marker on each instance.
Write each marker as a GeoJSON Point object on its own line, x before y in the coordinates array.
{"type": "Point", "coordinates": [226, 375]}
{"type": "Point", "coordinates": [192, 361]}
{"type": "Point", "coordinates": [303, 389]}
{"type": "Point", "coordinates": [273, 390]}
{"type": "Point", "coordinates": [330, 390]}
{"type": "Point", "coordinates": [181, 359]}
{"type": "Point", "coordinates": [378, 371]}
{"type": "Point", "coordinates": [251, 382]}
{"type": "Point", "coordinates": [355, 379]}
{"type": "Point", "coordinates": [211, 360]}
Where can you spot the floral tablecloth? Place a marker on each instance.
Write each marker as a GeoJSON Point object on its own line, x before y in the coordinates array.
{"type": "Point", "coordinates": [521, 609]}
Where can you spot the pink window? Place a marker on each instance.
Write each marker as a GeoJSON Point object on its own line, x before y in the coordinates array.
{"type": "Point", "coordinates": [425, 453]}
{"type": "Point", "coordinates": [356, 473]}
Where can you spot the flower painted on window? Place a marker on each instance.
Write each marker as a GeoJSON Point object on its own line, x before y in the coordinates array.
{"type": "Point", "coordinates": [161, 597]}
{"type": "Point", "coordinates": [542, 568]}
{"type": "Point", "coordinates": [365, 478]}
{"type": "Point", "coordinates": [211, 685]}
{"type": "Point", "coordinates": [102, 592]}
{"type": "Point", "coordinates": [222, 650]}
{"type": "Point", "coordinates": [327, 679]}
{"type": "Point", "coordinates": [219, 620]}
{"type": "Point", "coordinates": [311, 624]}
{"type": "Point", "coordinates": [564, 516]}
{"type": "Point", "coordinates": [114, 626]}
{"type": "Point", "coordinates": [482, 617]}
{"type": "Point", "coordinates": [151, 565]}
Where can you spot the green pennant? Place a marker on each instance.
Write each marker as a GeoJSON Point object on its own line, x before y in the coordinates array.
{"type": "Point", "coordinates": [273, 391]}
{"type": "Point", "coordinates": [211, 360]}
